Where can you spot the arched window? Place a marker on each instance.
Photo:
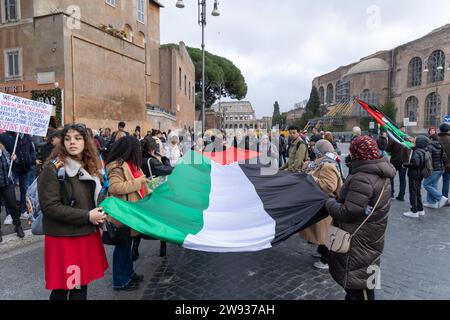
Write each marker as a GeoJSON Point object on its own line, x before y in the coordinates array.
{"type": "Point", "coordinates": [369, 97]}
{"type": "Point", "coordinates": [185, 85]}
{"type": "Point", "coordinates": [432, 110]}
{"type": "Point", "coordinates": [330, 94]}
{"type": "Point", "coordinates": [179, 76]}
{"type": "Point", "coordinates": [411, 108]}
{"type": "Point", "coordinates": [240, 126]}
{"type": "Point", "coordinates": [128, 33]}
{"type": "Point", "coordinates": [322, 95]}
{"type": "Point", "coordinates": [342, 92]}
{"type": "Point", "coordinates": [436, 66]}
{"type": "Point", "coordinates": [448, 106]}
{"type": "Point", "coordinates": [415, 72]}
{"type": "Point", "coordinates": [235, 126]}
{"type": "Point", "coordinates": [140, 39]}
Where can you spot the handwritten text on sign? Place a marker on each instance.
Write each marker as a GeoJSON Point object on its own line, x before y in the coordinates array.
{"type": "Point", "coordinates": [24, 116]}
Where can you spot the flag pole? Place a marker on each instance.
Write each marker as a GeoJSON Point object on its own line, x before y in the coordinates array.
{"type": "Point", "coordinates": [14, 151]}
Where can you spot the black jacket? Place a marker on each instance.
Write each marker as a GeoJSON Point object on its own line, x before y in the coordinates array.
{"type": "Point", "coordinates": [158, 168]}
{"type": "Point", "coordinates": [438, 155]}
{"type": "Point", "coordinates": [444, 139]}
{"type": "Point", "coordinates": [417, 162]}
{"type": "Point", "coordinates": [4, 168]}
{"type": "Point", "coordinates": [25, 151]}
{"type": "Point", "coordinates": [399, 153]}
{"type": "Point", "coordinates": [382, 143]}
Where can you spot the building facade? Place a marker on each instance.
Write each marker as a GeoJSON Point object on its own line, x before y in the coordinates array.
{"type": "Point", "coordinates": [177, 93]}
{"type": "Point", "coordinates": [415, 76]}
{"type": "Point", "coordinates": [236, 115]}
{"type": "Point", "coordinates": [98, 61]}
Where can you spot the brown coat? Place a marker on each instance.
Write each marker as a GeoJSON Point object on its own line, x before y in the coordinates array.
{"type": "Point", "coordinates": [329, 180]}
{"type": "Point", "coordinates": [124, 186]}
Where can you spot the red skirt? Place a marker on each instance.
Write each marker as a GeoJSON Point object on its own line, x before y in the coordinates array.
{"type": "Point", "coordinates": [74, 261]}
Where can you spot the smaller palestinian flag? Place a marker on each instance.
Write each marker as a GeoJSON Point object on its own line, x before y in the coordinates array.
{"type": "Point", "coordinates": [217, 203]}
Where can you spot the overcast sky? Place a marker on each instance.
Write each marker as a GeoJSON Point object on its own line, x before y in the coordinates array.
{"type": "Point", "coordinates": [281, 45]}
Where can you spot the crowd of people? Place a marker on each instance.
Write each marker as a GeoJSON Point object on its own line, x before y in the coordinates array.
{"type": "Point", "coordinates": [73, 220]}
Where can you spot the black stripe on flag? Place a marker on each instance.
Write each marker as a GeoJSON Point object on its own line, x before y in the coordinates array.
{"type": "Point", "coordinates": [294, 201]}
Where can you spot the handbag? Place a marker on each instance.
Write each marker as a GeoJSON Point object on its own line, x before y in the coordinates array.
{"type": "Point", "coordinates": [113, 235]}
{"type": "Point", "coordinates": [338, 240]}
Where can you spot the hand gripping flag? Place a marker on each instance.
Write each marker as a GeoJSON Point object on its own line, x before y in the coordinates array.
{"type": "Point", "coordinates": [386, 124]}
{"type": "Point", "coordinates": [218, 202]}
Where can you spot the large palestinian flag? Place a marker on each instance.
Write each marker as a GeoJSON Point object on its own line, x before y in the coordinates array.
{"type": "Point", "coordinates": [218, 202]}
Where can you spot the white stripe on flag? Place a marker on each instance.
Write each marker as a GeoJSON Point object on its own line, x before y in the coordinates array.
{"type": "Point", "coordinates": [235, 220]}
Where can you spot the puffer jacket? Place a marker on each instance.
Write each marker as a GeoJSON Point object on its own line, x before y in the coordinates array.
{"type": "Point", "coordinates": [361, 189]}
{"type": "Point", "coordinates": [417, 163]}
{"type": "Point", "coordinates": [438, 155]}
{"type": "Point", "coordinates": [444, 139]}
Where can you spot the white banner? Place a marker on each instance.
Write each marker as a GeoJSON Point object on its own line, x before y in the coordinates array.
{"type": "Point", "coordinates": [23, 115]}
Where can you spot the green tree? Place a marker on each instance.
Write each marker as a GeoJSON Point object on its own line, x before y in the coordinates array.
{"type": "Point", "coordinates": [277, 119]}
{"type": "Point", "coordinates": [390, 110]}
{"type": "Point", "coordinates": [222, 77]}
{"type": "Point", "coordinates": [313, 104]}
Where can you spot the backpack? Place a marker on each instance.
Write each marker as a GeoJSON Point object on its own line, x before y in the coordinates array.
{"type": "Point", "coordinates": [427, 169]}
{"type": "Point", "coordinates": [32, 198]}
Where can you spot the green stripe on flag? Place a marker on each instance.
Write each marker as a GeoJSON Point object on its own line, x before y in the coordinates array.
{"type": "Point", "coordinates": [175, 209]}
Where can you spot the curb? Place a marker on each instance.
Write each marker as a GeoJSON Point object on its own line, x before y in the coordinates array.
{"type": "Point", "coordinates": [11, 241]}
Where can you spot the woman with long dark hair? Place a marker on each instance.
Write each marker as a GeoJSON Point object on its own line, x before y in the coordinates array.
{"type": "Point", "coordinates": [73, 248]}
{"type": "Point", "coordinates": [128, 182]}
{"type": "Point", "coordinates": [153, 165]}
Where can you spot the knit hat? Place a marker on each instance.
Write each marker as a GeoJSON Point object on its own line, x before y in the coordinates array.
{"type": "Point", "coordinates": [364, 148]}
{"type": "Point", "coordinates": [323, 147]}
{"type": "Point", "coordinates": [444, 128]}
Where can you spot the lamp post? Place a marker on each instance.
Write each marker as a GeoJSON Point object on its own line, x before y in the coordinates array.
{"type": "Point", "coordinates": [202, 23]}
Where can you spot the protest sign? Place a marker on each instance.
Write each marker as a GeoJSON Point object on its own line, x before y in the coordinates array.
{"type": "Point", "coordinates": [23, 115]}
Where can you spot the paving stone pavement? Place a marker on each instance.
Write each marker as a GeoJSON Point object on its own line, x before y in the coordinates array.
{"type": "Point", "coordinates": [415, 265]}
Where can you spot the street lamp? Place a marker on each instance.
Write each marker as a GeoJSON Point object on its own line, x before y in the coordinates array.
{"type": "Point", "coordinates": [202, 22]}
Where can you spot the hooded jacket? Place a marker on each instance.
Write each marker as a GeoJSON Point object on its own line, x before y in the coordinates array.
{"type": "Point", "coordinates": [417, 163]}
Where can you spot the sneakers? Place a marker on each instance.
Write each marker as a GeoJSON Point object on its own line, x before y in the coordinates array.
{"type": "Point", "coordinates": [8, 220]}
{"type": "Point", "coordinates": [320, 265]}
{"type": "Point", "coordinates": [431, 205]}
{"type": "Point", "coordinates": [401, 199]}
{"type": "Point", "coordinates": [131, 286]}
{"type": "Point", "coordinates": [25, 216]}
{"type": "Point", "coordinates": [411, 214]}
{"type": "Point", "coordinates": [442, 203]}
{"type": "Point", "coordinates": [421, 213]}
{"type": "Point", "coordinates": [137, 277]}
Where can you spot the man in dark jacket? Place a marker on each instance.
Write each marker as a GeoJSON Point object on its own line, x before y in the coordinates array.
{"type": "Point", "coordinates": [399, 156]}
{"type": "Point", "coordinates": [415, 175]}
{"type": "Point", "coordinates": [444, 139]}
{"type": "Point", "coordinates": [435, 199]}
{"type": "Point", "coordinates": [26, 159]}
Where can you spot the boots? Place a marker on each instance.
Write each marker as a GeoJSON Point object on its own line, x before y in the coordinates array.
{"type": "Point", "coordinates": [135, 248]}
{"type": "Point", "coordinates": [18, 229]}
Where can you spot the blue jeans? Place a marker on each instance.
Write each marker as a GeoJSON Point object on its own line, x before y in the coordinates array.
{"type": "Point", "coordinates": [430, 184]}
{"type": "Point", "coordinates": [402, 177]}
{"type": "Point", "coordinates": [445, 184]}
{"type": "Point", "coordinates": [122, 265]}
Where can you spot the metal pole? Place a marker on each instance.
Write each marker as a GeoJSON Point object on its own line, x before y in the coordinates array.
{"type": "Point", "coordinates": [203, 22]}
{"type": "Point", "coordinates": [14, 152]}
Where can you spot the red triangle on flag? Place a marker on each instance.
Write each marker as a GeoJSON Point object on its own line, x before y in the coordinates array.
{"type": "Point", "coordinates": [231, 155]}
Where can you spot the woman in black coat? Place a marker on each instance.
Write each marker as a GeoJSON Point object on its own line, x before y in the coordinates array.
{"type": "Point", "coordinates": [153, 165]}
